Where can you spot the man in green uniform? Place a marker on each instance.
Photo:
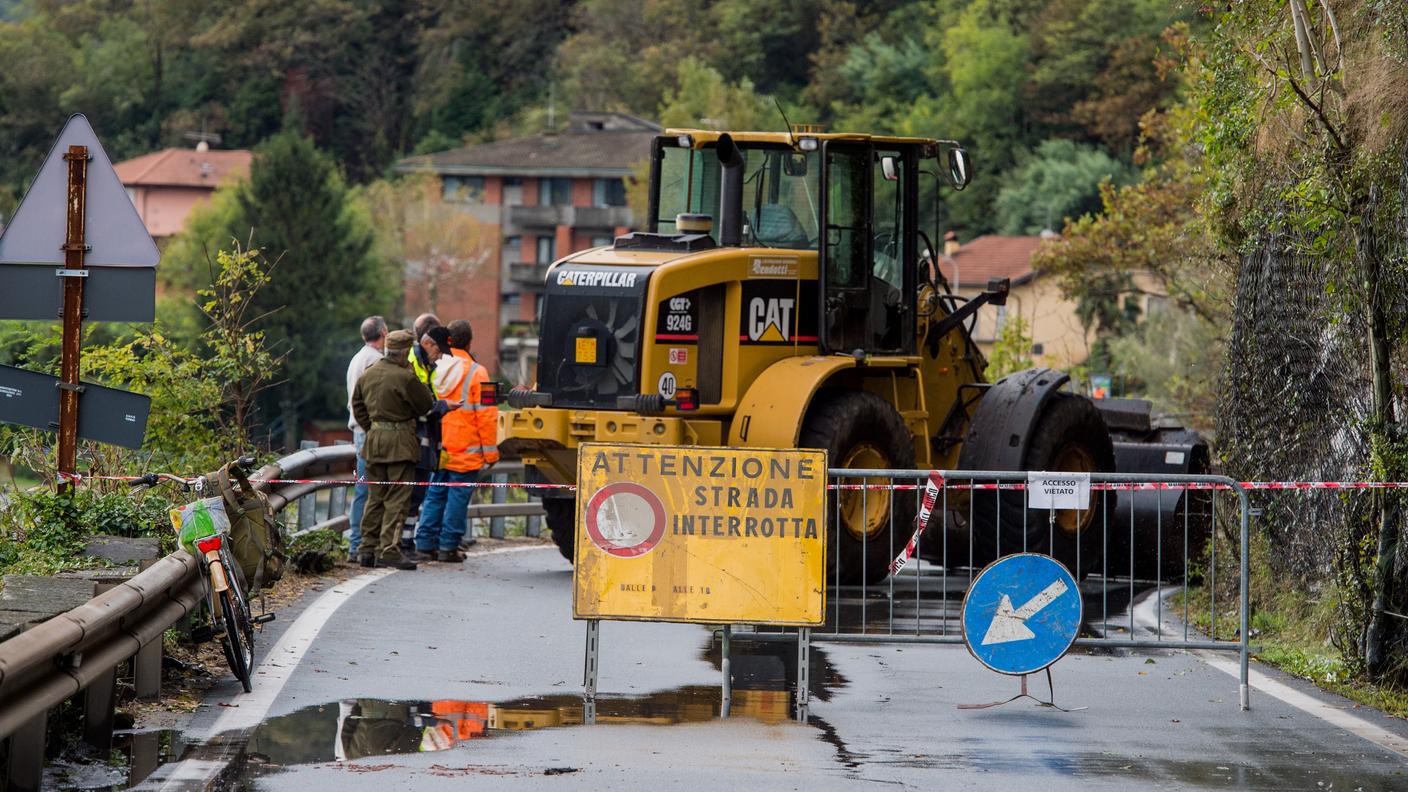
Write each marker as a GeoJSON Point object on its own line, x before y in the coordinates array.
{"type": "Point", "coordinates": [386, 403]}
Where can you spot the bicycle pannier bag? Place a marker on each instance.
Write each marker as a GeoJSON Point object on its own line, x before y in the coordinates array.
{"type": "Point", "coordinates": [256, 537]}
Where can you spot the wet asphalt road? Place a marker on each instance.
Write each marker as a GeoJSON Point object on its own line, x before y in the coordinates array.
{"type": "Point", "coordinates": [492, 643]}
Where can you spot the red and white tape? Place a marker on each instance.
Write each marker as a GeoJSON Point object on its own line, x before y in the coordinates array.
{"type": "Point", "coordinates": [932, 488]}
{"type": "Point", "coordinates": [891, 487]}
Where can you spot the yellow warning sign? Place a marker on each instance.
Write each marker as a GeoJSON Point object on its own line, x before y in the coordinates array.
{"type": "Point", "coordinates": [712, 535]}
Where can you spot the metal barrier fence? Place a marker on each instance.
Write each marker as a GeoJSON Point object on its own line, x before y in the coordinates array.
{"type": "Point", "coordinates": [1138, 551]}
{"type": "Point", "coordinates": [337, 464]}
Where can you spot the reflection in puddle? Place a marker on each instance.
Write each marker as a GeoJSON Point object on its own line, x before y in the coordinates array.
{"type": "Point", "coordinates": [143, 751]}
{"type": "Point", "coordinates": [358, 728]}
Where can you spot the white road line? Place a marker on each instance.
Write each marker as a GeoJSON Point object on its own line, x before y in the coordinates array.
{"type": "Point", "coordinates": [1311, 705]}
{"type": "Point", "coordinates": [247, 710]}
{"type": "Point", "coordinates": [1145, 615]}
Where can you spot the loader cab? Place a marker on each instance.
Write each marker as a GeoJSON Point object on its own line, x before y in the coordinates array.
{"type": "Point", "coordinates": [870, 251]}
{"type": "Point", "coordinates": [865, 205]}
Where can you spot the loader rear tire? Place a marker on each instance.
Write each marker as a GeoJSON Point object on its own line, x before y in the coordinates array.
{"type": "Point", "coordinates": [861, 430]}
{"type": "Point", "coordinates": [562, 523]}
{"type": "Point", "coordinates": [1070, 436]}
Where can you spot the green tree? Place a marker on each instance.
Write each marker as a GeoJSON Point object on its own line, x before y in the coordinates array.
{"type": "Point", "coordinates": [1062, 179]}
{"type": "Point", "coordinates": [1301, 117]}
{"type": "Point", "coordinates": [703, 99]}
{"type": "Point", "coordinates": [297, 212]}
{"type": "Point", "coordinates": [1012, 351]}
{"type": "Point", "coordinates": [984, 59]}
{"type": "Point", "coordinates": [325, 278]}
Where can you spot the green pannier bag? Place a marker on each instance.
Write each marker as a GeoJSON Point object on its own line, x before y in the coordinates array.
{"type": "Point", "coordinates": [256, 536]}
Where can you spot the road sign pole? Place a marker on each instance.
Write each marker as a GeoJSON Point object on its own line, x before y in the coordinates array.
{"type": "Point", "coordinates": [804, 673]}
{"type": "Point", "coordinates": [589, 673]}
{"type": "Point", "coordinates": [75, 248]}
{"type": "Point", "coordinates": [726, 697]}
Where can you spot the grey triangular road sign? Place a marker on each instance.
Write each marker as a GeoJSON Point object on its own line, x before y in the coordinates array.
{"type": "Point", "coordinates": [114, 233]}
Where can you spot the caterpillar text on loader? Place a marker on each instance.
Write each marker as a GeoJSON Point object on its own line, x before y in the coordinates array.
{"type": "Point", "coordinates": [784, 296]}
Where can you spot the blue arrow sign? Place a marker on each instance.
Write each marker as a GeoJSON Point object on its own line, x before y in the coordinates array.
{"type": "Point", "coordinates": [1021, 613]}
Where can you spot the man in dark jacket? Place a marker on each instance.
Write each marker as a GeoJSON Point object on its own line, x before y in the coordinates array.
{"type": "Point", "coordinates": [386, 403]}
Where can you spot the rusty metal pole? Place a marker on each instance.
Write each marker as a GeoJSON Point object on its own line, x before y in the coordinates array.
{"type": "Point", "coordinates": [73, 274]}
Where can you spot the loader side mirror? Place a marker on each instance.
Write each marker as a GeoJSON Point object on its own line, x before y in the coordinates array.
{"type": "Point", "coordinates": [794, 164]}
{"type": "Point", "coordinates": [960, 171]}
{"type": "Point", "coordinates": [890, 169]}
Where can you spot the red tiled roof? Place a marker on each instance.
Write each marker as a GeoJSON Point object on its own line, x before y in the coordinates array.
{"type": "Point", "coordinates": [184, 168]}
{"type": "Point", "coordinates": [989, 257]}
{"type": "Point", "coordinates": [597, 153]}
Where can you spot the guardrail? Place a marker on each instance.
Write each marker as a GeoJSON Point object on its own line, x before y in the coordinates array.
{"type": "Point", "coordinates": [330, 467]}
{"type": "Point", "coordinates": [80, 651]}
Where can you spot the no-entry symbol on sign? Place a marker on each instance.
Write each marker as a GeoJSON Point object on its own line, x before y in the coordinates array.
{"type": "Point", "coordinates": [625, 519]}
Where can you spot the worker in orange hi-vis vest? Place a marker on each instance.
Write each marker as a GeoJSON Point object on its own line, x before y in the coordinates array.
{"type": "Point", "coordinates": [469, 439]}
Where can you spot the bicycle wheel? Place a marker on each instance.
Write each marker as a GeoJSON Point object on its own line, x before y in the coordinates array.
{"type": "Point", "coordinates": [238, 640]}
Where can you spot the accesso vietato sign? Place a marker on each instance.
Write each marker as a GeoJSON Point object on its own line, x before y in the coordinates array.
{"type": "Point", "coordinates": [709, 535]}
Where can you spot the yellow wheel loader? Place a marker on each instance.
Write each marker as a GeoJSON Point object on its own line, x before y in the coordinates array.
{"type": "Point", "coordinates": [785, 294]}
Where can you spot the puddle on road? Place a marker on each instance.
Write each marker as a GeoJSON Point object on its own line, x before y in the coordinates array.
{"type": "Point", "coordinates": [764, 677]}
{"type": "Point", "coordinates": [135, 754]}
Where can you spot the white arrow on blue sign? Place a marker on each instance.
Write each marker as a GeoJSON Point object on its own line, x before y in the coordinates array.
{"type": "Point", "coordinates": [1021, 614]}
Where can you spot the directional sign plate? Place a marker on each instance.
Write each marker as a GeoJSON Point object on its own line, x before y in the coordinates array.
{"type": "Point", "coordinates": [110, 294]}
{"type": "Point", "coordinates": [106, 415]}
{"type": "Point", "coordinates": [115, 233]}
{"type": "Point", "coordinates": [1021, 613]}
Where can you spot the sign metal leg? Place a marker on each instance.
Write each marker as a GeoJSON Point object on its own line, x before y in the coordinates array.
{"type": "Point", "coordinates": [1023, 693]}
{"type": "Point", "coordinates": [804, 668]}
{"type": "Point", "coordinates": [589, 673]}
{"type": "Point", "coordinates": [726, 700]}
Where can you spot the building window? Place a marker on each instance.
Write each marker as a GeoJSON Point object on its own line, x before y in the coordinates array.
{"type": "Point", "coordinates": [513, 191]}
{"type": "Point", "coordinates": [511, 299]}
{"type": "Point", "coordinates": [547, 249]}
{"type": "Point", "coordinates": [462, 189]}
{"type": "Point", "coordinates": [599, 241]}
{"type": "Point", "coordinates": [554, 192]}
{"type": "Point", "coordinates": [513, 250]}
{"type": "Point", "coordinates": [608, 192]}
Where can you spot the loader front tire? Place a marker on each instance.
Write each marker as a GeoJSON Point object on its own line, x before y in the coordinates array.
{"type": "Point", "coordinates": [562, 523]}
{"type": "Point", "coordinates": [865, 528]}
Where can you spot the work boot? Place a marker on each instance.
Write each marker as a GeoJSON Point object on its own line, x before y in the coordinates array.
{"type": "Point", "coordinates": [468, 542]}
{"type": "Point", "coordinates": [450, 556]}
{"type": "Point", "coordinates": [367, 561]}
{"type": "Point", "coordinates": [397, 563]}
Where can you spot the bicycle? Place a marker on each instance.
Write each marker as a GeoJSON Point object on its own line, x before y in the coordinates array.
{"type": "Point", "coordinates": [208, 540]}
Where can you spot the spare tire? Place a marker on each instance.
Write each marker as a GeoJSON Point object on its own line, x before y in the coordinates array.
{"type": "Point", "coordinates": [1068, 435]}
{"type": "Point", "coordinates": [858, 429]}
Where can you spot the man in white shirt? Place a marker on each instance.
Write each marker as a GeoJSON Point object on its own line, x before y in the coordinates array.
{"type": "Point", "coordinates": [374, 340]}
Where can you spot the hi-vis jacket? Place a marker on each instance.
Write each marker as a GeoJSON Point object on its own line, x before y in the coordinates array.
{"type": "Point", "coordinates": [469, 434]}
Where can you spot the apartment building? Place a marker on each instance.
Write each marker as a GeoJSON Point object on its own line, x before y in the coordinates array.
{"type": "Point", "coordinates": [543, 197]}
